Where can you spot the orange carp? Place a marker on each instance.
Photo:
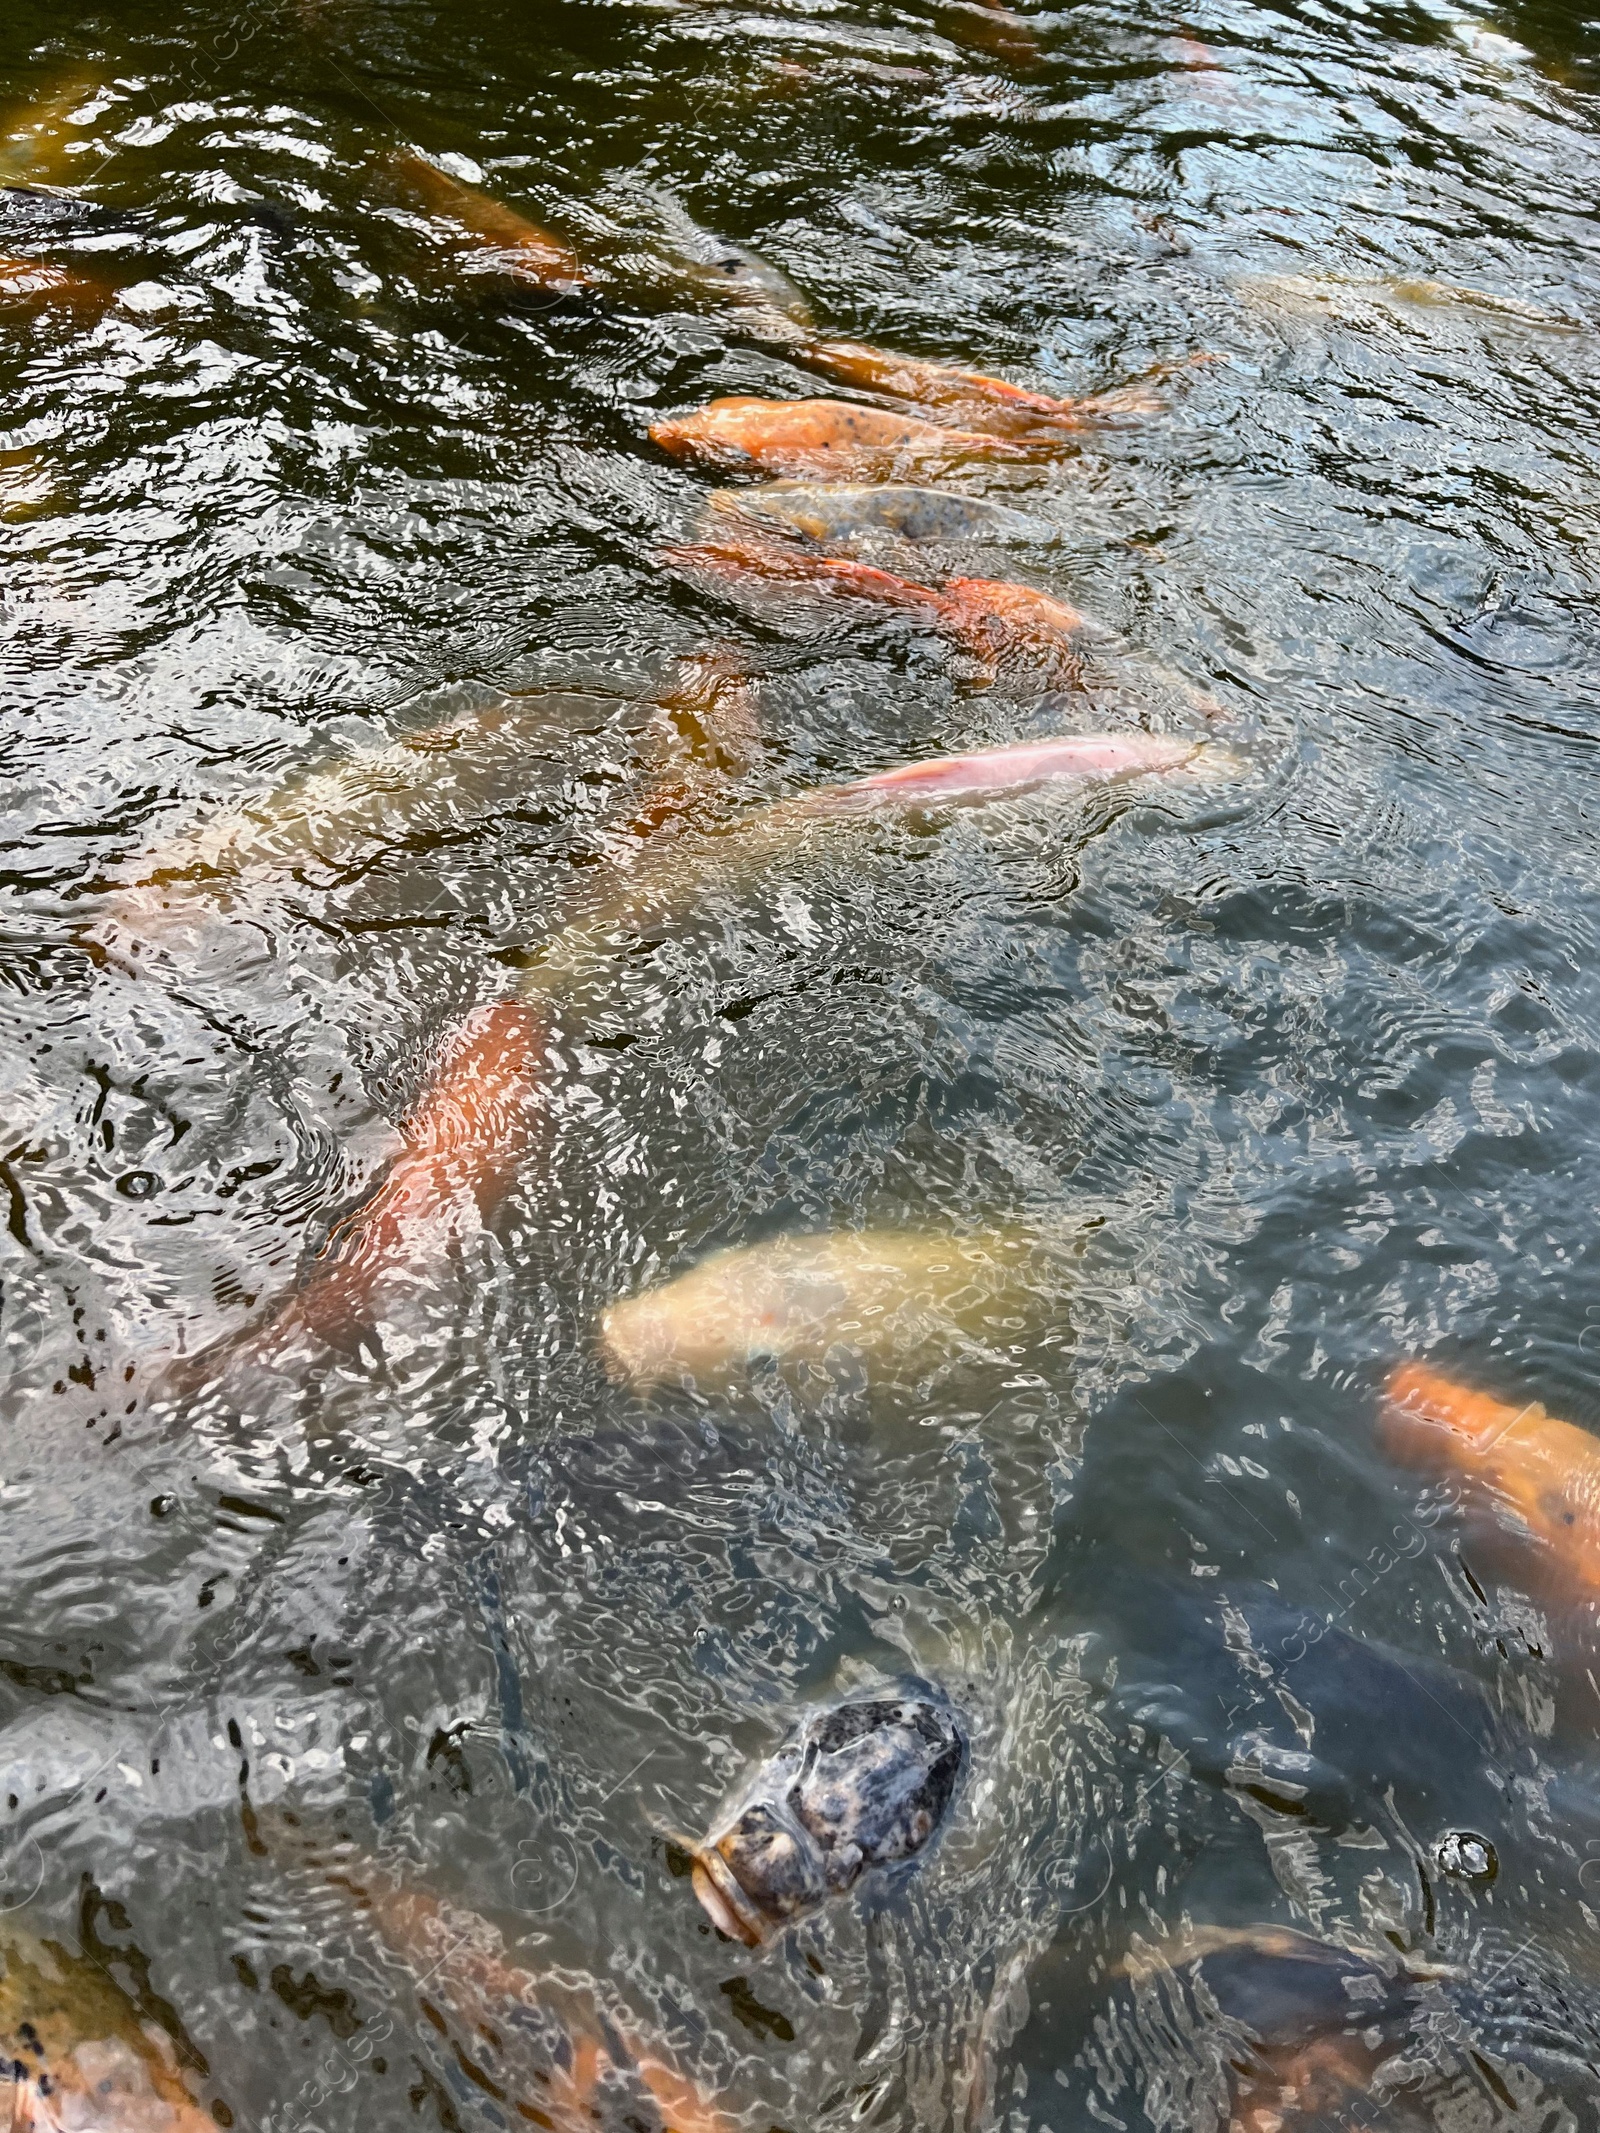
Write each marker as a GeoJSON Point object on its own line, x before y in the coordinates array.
{"type": "Point", "coordinates": [77, 2058]}
{"type": "Point", "coordinates": [975, 396]}
{"type": "Point", "coordinates": [464, 1144]}
{"type": "Point", "coordinates": [992, 619]}
{"type": "Point", "coordinates": [551, 2045]}
{"type": "Point", "coordinates": [500, 240]}
{"type": "Point", "coordinates": [832, 437]}
{"type": "Point", "coordinates": [1535, 1478]}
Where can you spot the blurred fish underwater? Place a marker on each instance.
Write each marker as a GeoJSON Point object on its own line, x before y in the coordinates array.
{"type": "Point", "coordinates": [799, 964]}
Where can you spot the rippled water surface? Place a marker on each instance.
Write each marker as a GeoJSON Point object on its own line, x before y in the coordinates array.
{"type": "Point", "coordinates": [371, 1655]}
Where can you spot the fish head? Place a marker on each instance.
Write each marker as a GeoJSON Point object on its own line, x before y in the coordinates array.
{"type": "Point", "coordinates": [762, 1872]}
{"type": "Point", "coordinates": [863, 1785]}
{"type": "Point", "coordinates": [712, 266]}
{"type": "Point", "coordinates": [680, 1329]}
{"type": "Point", "coordinates": [1430, 1423]}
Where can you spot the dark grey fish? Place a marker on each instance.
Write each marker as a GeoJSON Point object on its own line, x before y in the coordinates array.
{"type": "Point", "coordinates": [29, 215]}
{"type": "Point", "coordinates": [828, 512]}
{"type": "Point", "coordinates": [715, 269]}
{"type": "Point", "coordinates": [861, 1786]}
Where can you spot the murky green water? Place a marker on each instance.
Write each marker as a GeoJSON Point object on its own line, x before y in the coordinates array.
{"type": "Point", "coordinates": [1278, 1079]}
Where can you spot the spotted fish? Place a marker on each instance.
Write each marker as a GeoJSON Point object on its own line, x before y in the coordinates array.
{"type": "Point", "coordinates": [78, 2058]}
{"type": "Point", "coordinates": [831, 512]}
{"type": "Point", "coordinates": [805, 438]}
{"type": "Point", "coordinates": [861, 1787]}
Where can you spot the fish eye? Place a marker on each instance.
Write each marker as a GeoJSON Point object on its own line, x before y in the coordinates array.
{"type": "Point", "coordinates": [1465, 1856]}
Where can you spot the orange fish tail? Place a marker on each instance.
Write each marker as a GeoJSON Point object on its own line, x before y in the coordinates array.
{"type": "Point", "coordinates": [770, 563]}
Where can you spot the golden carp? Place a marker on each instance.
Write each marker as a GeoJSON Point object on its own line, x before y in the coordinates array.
{"type": "Point", "coordinates": [499, 240]}
{"type": "Point", "coordinates": [1355, 301]}
{"type": "Point", "coordinates": [1533, 1477]}
{"type": "Point", "coordinates": [325, 821]}
{"type": "Point", "coordinates": [42, 141]}
{"type": "Point", "coordinates": [885, 1293]}
{"type": "Point", "coordinates": [992, 619]}
{"type": "Point", "coordinates": [827, 437]}
{"type": "Point", "coordinates": [77, 2059]}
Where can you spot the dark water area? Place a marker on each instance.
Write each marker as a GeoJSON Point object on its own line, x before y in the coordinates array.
{"type": "Point", "coordinates": [364, 1693]}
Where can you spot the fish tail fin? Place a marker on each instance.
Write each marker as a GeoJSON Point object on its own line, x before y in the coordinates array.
{"type": "Point", "coordinates": [712, 703]}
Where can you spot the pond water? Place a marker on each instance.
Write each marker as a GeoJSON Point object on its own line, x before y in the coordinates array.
{"type": "Point", "coordinates": [375, 1649]}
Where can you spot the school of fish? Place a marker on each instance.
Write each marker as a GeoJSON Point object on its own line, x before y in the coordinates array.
{"type": "Point", "coordinates": [860, 1789]}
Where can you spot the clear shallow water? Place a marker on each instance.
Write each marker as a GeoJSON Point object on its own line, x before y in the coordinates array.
{"type": "Point", "coordinates": [1310, 1063]}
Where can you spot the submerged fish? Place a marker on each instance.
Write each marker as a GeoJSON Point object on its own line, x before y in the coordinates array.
{"type": "Point", "coordinates": [36, 146]}
{"type": "Point", "coordinates": [834, 511]}
{"type": "Point", "coordinates": [462, 1149]}
{"type": "Point", "coordinates": [1534, 1478]}
{"type": "Point", "coordinates": [707, 265]}
{"type": "Point", "coordinates": [667, 886]}
{"type": "Point", "coordinates": [559, 2050]}
{"type": "Point", "coordinates": [860, 1786]}
{"type": "Point", "coordinates": [990, 26]}
{"type": "Point", "coordinates": [993, 619]}
{"type": "Point", "coordinates": [25, 280]}
{"type": "Point", "coordinates": [1358, 299]}
{"type": "Point", "coordinates": [501, 241]}
{"type": "Point", "coordinates": [810, 437]}
{"type": "Point", "coordinates": [887, 1292]}
{"type": "Point", "coordinates": [980, 401]}
{"type": "Point", "coordinates": [708, 729]}
{"type": "Point", "coordinates": [77, 2057]}
{"type": "Point", "coordinates": [1309, 2025]}
{"type": "Point", "coordinates": [340, 813]}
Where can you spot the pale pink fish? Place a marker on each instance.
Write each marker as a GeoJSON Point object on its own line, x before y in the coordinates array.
{"type": "Point", "coordinates": [668, 888]}
{"type": "Point", "coordinates": [1084, 758]}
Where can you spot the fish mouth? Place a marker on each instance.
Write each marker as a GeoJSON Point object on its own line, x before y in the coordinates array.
{"type": "Point", "coordinates": [725, 1902]}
